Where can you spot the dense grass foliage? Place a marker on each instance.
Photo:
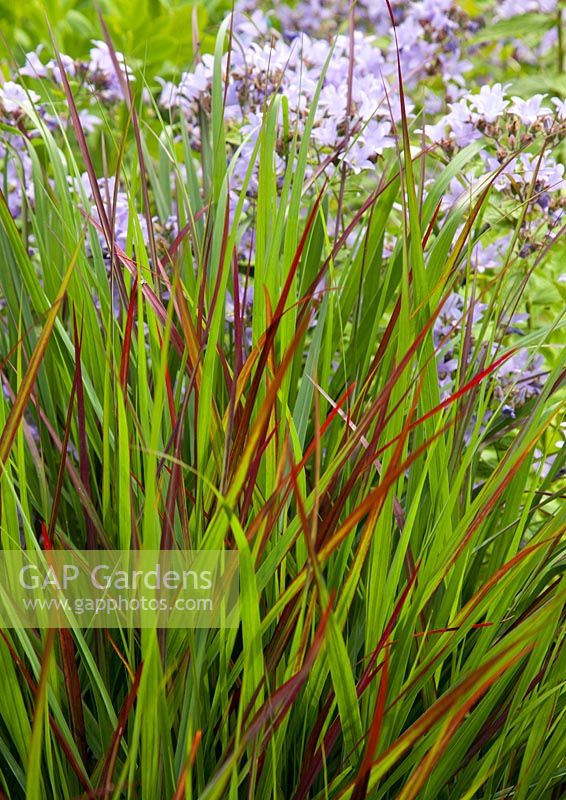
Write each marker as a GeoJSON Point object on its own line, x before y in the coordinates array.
{"type": "Point", "coordinates": [232, 318]}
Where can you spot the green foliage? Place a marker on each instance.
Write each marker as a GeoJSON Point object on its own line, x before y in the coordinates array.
{"type": "Point", "coordinates": [155, 34]}
{"type": "Point", "coordinates": [403, 593]}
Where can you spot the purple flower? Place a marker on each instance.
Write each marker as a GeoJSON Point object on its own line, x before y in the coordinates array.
{"type": "Point", "coordinates": [451, 315]}
{"type": "Point", "coordinates": [89, 122]}
{"type": "Point", "coordinates": [325, 133]}
{"type": "Point", "coordinates": [121, 211]}
{"type": "Point", "coordinates": [69, 66]}
{"type": "Point", "coordinates": [490, 103]}
{"type": "Point", "coordinates": [529, 110]}
{"type": "Point", "coordinates": [252, 25]}
{"type": "Point", "coordinates": [520, 377]}
{"type": "Point", "coordinates": [169, 94]}
{"type": "Point", "coordinates": [17, 179]}
{"type": "Point", "coordinates": [490, 256]}
{"type": "Point", "coordinates": [461, 120]}
{"type": "Point", "coordinates": [333, 101]}
{"type": "Point", "coordinates": [514, 8]}
{"type": "Point", "coordinates": [547, 171]}
{"type": "Point", "coordinates": [196, 83]}
{"type": "Point", "coordinates": [33, 67]}
{"type": "Point", "coordinates": [14, 98]}
{"type": "Point", "coordinates": [102, 72]}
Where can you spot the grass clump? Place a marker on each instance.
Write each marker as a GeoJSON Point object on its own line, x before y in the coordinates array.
{"type": "Point", "coordinates": [231, 318]}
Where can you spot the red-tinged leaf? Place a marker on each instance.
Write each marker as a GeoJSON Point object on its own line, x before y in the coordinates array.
{"type": "Point", "coordinates": [397, 508]}
{"type": "Point", "coordinates": [471, 384]}
{"type": "Point", "coordinates": [281, 701]}
{"type": "Point", "coordinates": [259, 428]}
{"type": "Point", "coordinates": [421, 773]}
{"type": "Point", "coordinates": [218, 279]}
{"type": "Point", "coordinates": [339, 244]}
{"type": "Point", "coordinates": [174, 490]}
{"type": "Point", "coordinates": [337, 410]}
{"type": "Point", "coordinates": [155, 303]}
{"type": "Point", "coordinates": [454, 698]}
{"type": "Point", "coordinates": [307, 531]}
{"type": "Point", "coordinates": [120, 655]}
{"type": "Point", "coordinates": [168, 385]}
{"type": "Point", "coordinates": [125, 361]}
{"type": "Point", "coordinates": [17, 411]}
{"type": "Point", "coordinates": [273, 506]}
{"type": "Point", "coordinates": [278, 704]}
{"type": "Point", "coordinates": [451, 629]}
{"type": "Point", "coordinates": [73, 687]}
{"type": "Point", "coordinates": [431, 224]}
{"type": "Point", "coordinates": [107, 227]}
{"type": "Point", "coordinates": [47, 543]}
{"type": "Point", "coordinates": [361, 784]}
{"type": "Point", "coordinates": [244, 424]}
{"type": "Point", "coordinates": [377, 495]}
{"type": "Point", "coordinates": [496, 579]}
{"type": "Point", "coordinates": [493, 725]}
{"type": "Point", "coordinates": [473, 603]}
{"type": "Point", "coordinates": [81, 490]}
{"type": "Point", "coordinates": [388, 631]}
{"type": "Point", "coordinates": [397, 370]}
{"type": "Point", "coordinates": [67, 645]}
{"type": "Point", "coordinates": [181, 786]}
{"type": "Point", "coordinates": [124, 81]}
{"type": "Point", "coordinates": [180, 237]}
{"type": "Point", "coordinates": [194, 747]}
{"type": "Point", "coordinates": [77, 768]}
{"type": "Point", "coordinates": [311, 768]}
{"type": "Point", "coordinates": [105, 782]}
{"type": "Point", "coordinates": [263, 443]}
{"type": "Point", "coordinates": [509, 473]}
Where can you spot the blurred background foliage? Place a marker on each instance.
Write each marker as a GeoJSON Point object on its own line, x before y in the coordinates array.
{"type": "Point", "coordinates": [155, 34]}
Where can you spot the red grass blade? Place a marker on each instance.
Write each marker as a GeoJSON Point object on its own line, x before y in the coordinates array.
{"type": "Point", "coordinates": [105, 783]}
{"type": "Point", "coordinates": [361, 784]}
{"type": "Point", "coordinates": [17, 411]}
{"type": "Point", "coordinates": [125, 360]}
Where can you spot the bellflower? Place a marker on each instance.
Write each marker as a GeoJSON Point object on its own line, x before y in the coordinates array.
{"type": "Point", "coordinates": [529, 110]}
{"type": "Point", "coordinates": [490, 103]}
{"type": "Point", "coordinates": [33, 67]}
{"type": "Point", "coordinates": [14, 98]}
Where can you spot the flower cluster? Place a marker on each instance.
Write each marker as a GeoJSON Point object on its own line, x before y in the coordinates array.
{"type": "Point", "coordinates": [16, 107]}
{"type": "Point", "coordinates": [359, 99]}
{"type": "Point", "coordinates": [349, 80]}
{"type": "Point", "coordinates": [117, 207]}
{"type": "Point", "coordinates": [453, 315]}
{"type": "Point", "coordinates": [22, 111]}
{"type": "Point", "coordinates": [516, 380]}
{"type": "Point", "coordinates": [506, 127]}
{"type": "Point", "coordinates": [98, 75]}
